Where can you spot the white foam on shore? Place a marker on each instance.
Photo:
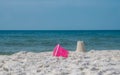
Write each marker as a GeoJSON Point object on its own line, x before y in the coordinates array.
{"type": "Point", "coordinates": [105, 62]}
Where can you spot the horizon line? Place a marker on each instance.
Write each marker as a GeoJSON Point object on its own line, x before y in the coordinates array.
{"type": "Point", "coordinates": [58, 30]}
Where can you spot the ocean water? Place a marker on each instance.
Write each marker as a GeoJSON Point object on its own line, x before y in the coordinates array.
{"type": "Point", "coordinates": [45, 40]}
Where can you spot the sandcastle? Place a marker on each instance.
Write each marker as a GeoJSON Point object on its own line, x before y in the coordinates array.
{"type": "Point", "coordinates": [80, 46]}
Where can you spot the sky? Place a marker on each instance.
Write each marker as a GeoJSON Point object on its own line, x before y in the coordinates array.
{"type": "Point", "coordinates": [59, 14]}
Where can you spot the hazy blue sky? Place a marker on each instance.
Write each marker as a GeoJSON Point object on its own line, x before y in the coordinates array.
{"type": "Point", "coordinates": [59, 14]}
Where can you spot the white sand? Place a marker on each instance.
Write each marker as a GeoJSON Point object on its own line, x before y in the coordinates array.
{"type": "Point", "coordinates": [89, 63]}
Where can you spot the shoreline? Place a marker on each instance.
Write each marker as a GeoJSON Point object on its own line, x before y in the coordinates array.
{"type": "Point", "coordinates": [11, 53]}
{"type": "Point", "coordinates": [94, 62]}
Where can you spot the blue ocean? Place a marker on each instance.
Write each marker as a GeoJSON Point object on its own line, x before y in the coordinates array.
{"type": "Point", "coordinates": [12, 41]}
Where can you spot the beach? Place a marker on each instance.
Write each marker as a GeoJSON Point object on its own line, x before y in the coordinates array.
{"type": "Point", "coordinates": [59, 37]}
{"type": "Point", "coordinates": [93, 62]}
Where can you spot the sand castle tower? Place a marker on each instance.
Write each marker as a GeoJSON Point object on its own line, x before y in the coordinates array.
{"type": "Point", "coordinates": [80, 46]}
